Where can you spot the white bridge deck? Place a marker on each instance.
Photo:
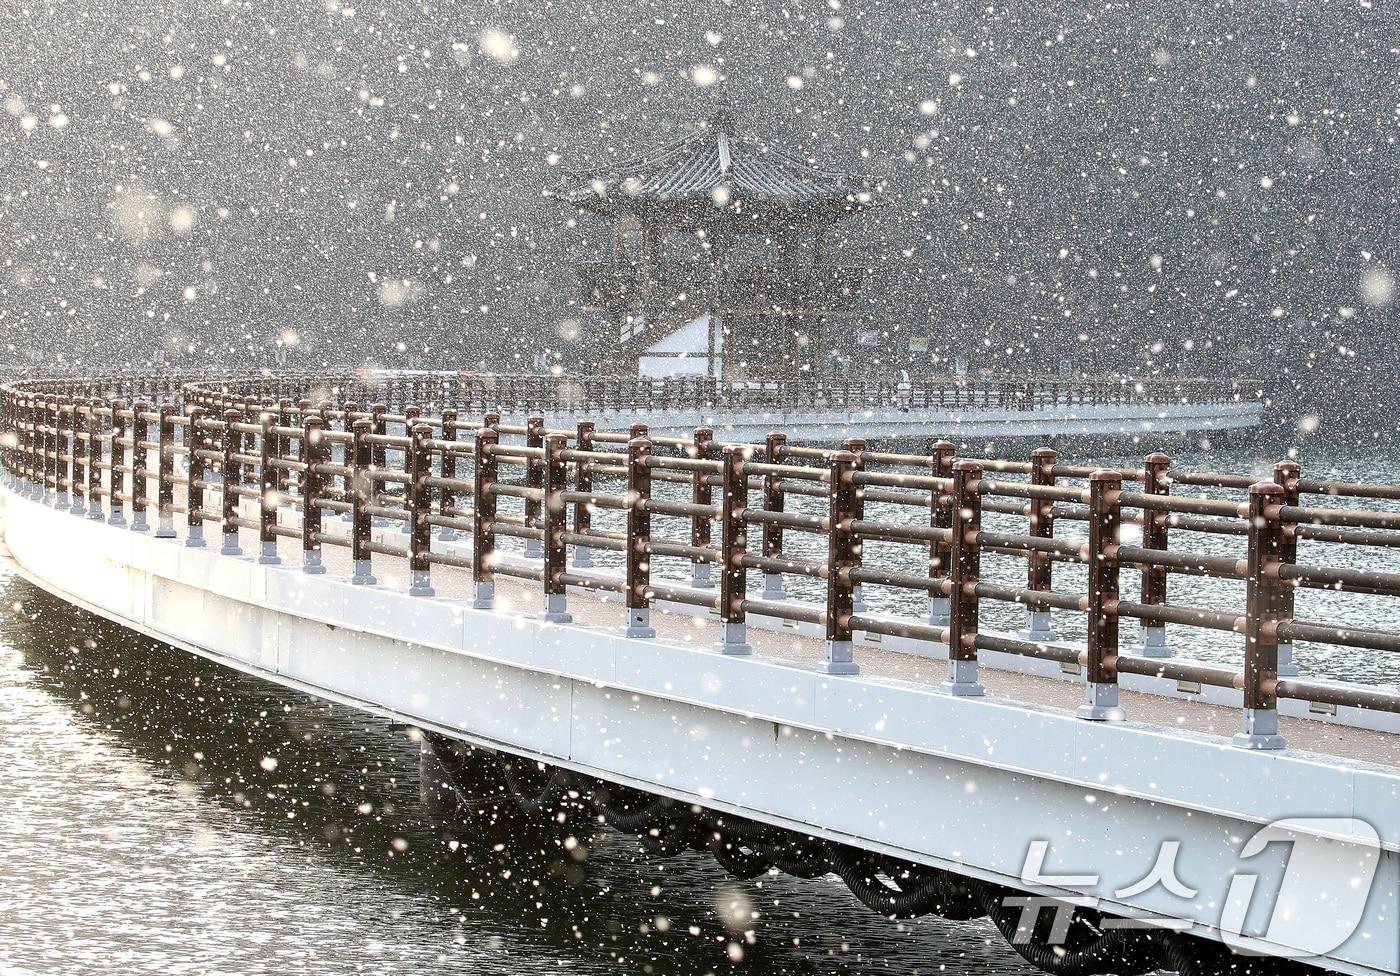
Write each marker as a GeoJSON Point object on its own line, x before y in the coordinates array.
{"type": "Point", "coordinates": [881, 760]}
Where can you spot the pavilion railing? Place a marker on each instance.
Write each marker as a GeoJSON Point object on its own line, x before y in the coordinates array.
{"type": "Point", "coordinates": [597, 509]}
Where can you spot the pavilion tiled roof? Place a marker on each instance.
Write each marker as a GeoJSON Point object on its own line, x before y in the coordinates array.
{"type": "Point", "coordinates": [712, 165]}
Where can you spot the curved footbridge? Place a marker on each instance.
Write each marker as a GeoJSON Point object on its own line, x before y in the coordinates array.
{"type": "Point", "coordinates": [784, 724]}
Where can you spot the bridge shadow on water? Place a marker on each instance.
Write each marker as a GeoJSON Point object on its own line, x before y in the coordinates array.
{"type": "Point", "coordinates": [339, 804]}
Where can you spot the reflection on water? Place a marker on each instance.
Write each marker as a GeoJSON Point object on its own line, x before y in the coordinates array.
{"type": "Point", "coordinates": [162, 814]}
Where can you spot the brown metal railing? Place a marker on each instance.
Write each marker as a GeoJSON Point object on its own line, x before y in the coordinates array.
{"type": "Point", "coordinates": [263, 446]}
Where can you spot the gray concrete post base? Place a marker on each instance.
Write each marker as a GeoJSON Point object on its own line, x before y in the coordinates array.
{"type": "Point", "coordinates": [420, 583]}
{"type": "Point", "coordinates": [1038, 627]}
{"type": "Point", "coordinates": [733, 640]}
{"type": "Point", "coordinates": [484, 596]}
{"type": "Point", "coordinates": [938, 611]}
{"type": "Point", "coordinates": [840, 658]}
{"type": "Point", "coordinates": [962, 680]}
{"type": "Point", "coordinates": [1154, 643]}
{"type": "Point", "coordinates": [773, 587]}
{"type": "Point", "coordinates": [1260, 730]}
{"type": "Point", "coordinates": [556, 609]}
{"type": "Point", "coordinates": [638, 623]}
{"type": "Point", "coordinates": [1101, 703]}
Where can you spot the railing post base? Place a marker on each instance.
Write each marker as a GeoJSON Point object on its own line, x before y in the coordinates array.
{"type": "Point", "coordinates": [857, 599]}
{"type": "Point", "coordinates": [840, 658]}
{"type": "Point", "coordinates": [484, 596]}
{"type": "Point", "coordinates": [78, 508]}
{"type": "Point", "coordinates": [139, 524]}
{"type": "Point", "coordinates": [360, 574]}
{"type": "Point", "coordinates": [95, 512]}
{"type": "Point", "coordinates": [230, 546]}
{"type": "Point", "coordinates": [166, 529]}
{"type": "Point", "coordinates": [1154, 643]}
{"type": "Point", "coordinates": [700, 576]}
{"type": "Point", "coordinates": [639, 623]}
{"type": "Point", "coordinates": [420, 583]}
{"type": "Point", "coordinates": [194, 537]}
{"type": "Point", "coordinates": [61, 501]}
{"type": "Point", "coordinates": [534, 549]}
{"type": "Point", "coordinates": [1260, 730]}
{"type": "Point", "coordinates": [733, 639]}
{"type": "Point", "coordinates": [1287, 667]}
{"type": "Point", "coordinates": [267, 555]}
{"type": "Point", "coordinates": [117, 519]}
{"type": "Point", "coordinates": [1038, 627]}
{"type": "Point", "coordinates": [556, 609]}
{"type": "Point", "coordinates": [583, 557]}
{"type": "Point", "coordinates": [1102, 703]}
{"type": "Point", "coordinates": [962, 680]}
{"type": "Point", "coordinates": [311, 563]}
{"type": "Point", "coordinates": [773, 587]}
{"type": "Point", "coordinates": [939, 610]}
{"type": "Point", "coordinates": [447, 534]}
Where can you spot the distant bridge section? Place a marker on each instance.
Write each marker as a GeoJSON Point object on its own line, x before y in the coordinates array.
{"type": "Point", "coordinates": [826, 411]}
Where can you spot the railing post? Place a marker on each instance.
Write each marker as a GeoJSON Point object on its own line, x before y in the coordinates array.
{"type": "Point", "coordinates": [194, 494]}
{"type": "Point", "coordinates": [378, 455]}
{"type": "Point", "coordinates": [1101, 653]}
{"type": "Point", "coordinates": [116, 460]}
{"type": "Point", "coordinates": [447, 467]}
{"type": "Point", "coordinates": [311, 427]}
{"type": "Point", "coordinates": [94, 463]}
{"type": "Point", "coordinates": [942, 516]}
{"type": "Point", "coordinates": [733, 544]}
{"type": "Point", "coordinates": [774, 448]}
{"type": "Point", "coordinates": [361, 495]}
{"type": "Point", "coordinates": [843, 557]}
{"type": "Point", "coordinates": [420, 511]}
{"type": "Point", "coordinates": [1039, 573]}
{"type": "Point", "coordinates": [1262, 603]}
{"type": "Point", "coordinates": [63, 454]}
{"type": "Point", "coordinates": [232, 481]}
{"type": "Point", "coordinates": [965, 568]}
{"type": "Point", "coordinates": [583, 484]}
{"type": "Point", "coordinates": [165, 472]}
{"type": "Point", "coordinates": [269, 496]}
{"type": "Point", "coordinates": [483, 524]}
{"type": "Point", "coordinates": [638, 539]}
{"type": "Point", "coordinates": [701, 493]}
{"type": "Point", "coordinates": [78, 426]}
{"type": "Point", "coordinates": [534, 479]}
{"type": "Point", "coordinates": [140, 459]}
{"type": "Point", "coordinates": [282, 442]}
{"type": "Point", "coordinates": [856, 446]}
{"type": "Point", "coordinates": [555, 524]}
{"type": "Point", "coordinates": [1286, 476]}
{"type": "Point", "coordinates": [1155, 481]}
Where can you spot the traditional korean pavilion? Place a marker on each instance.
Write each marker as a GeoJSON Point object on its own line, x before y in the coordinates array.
{"type": "Point", "coordinates": [718, 262]}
